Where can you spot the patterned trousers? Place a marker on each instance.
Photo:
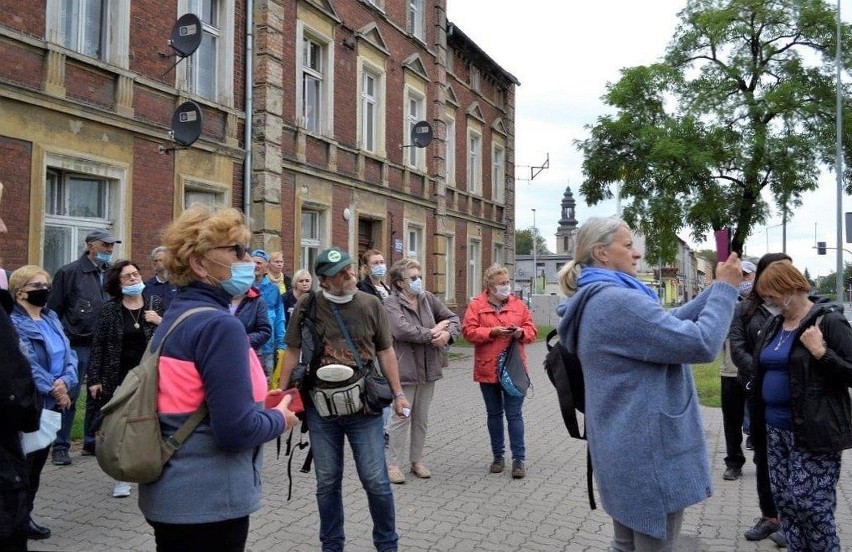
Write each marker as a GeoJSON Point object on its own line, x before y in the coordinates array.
{"type": "Point", "coordinates": [804, 486]}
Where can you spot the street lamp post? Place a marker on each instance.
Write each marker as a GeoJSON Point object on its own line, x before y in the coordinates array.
{"type": "Point", "coordinates": [535, 259]}
{"type": "Point", "coordinates": [766, 230]}
{"type": "Point", "coordinates": [838, 162]}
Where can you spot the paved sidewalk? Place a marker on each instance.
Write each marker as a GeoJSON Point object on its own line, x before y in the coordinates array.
{"type": "Point", "coordinates": [461, 508]}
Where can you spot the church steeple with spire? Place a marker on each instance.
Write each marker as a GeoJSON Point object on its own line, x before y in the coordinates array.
{"type": "Point", "coordinates": [567, 225]}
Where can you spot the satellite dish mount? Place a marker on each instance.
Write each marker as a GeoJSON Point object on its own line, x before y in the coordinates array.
{"type": "Point", "coordinates": [185, 39]}
{"type": "Point", "coordinates": [187, 123]}
{"type": "Point", "coordinates": [421, 135]}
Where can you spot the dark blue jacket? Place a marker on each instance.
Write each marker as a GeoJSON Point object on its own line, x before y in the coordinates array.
{"type": "Point", "coordinates": [253, 314]}
{"type": "Point", "coordinates": [164, 290]}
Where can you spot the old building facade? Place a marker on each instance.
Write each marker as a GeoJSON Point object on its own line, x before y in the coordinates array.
{"type": "Point", "coordinates": [88, 90]}
{"type": "Point", "coordinates": [338, 89]}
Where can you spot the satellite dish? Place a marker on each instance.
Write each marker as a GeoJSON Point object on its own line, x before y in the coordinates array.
{"type": "Point", "coordinates": [421, 134]}
{"type": "Point", "coordinates": [186, 35]}
{"type": "Point", "coordinates": [186, 123]}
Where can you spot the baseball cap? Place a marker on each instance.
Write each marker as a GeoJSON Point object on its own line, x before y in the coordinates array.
{"type": "Point", "coordinates": [331, 261]}
{"type": "Point", "coordinates": [101, 235]}
{"type": "Point", "coordinates": [748, 267]}
{"type": "Point", "coordinates": [260, 253]}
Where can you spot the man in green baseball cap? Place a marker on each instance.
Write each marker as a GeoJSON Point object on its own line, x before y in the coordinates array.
{"type": "Point", "coordinates": [356, 334]}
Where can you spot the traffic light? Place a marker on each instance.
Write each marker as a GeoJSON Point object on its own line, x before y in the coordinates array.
{"type": "Point", "coordinates": [820, 248]}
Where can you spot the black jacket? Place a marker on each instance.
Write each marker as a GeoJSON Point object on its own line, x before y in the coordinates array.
{"type": "Point", "coordinates": [366, 285]}
{"type": "Point", "coordinates": [20, 410]}
{"type": "Point", "coordinates": [105, 359]}
{"type": "Point", "coordinates": [76, 296]}
{"type": "Point", "coordinates": [821, 409]}
{"type": "Point", "coordinates": [743, 337]}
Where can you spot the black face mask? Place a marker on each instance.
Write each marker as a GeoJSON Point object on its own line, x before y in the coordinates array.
{"type": "Point", "coordinates": [38, 297]}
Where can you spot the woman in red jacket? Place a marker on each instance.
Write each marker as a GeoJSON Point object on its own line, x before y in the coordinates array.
{"type": "Point", "coordinates": [492, 320]}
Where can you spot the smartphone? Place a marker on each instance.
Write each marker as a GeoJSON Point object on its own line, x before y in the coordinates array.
{"type": "Point", "coordinates": [296, 405]}
{"type": "Point", "coordinates": [723, 244]}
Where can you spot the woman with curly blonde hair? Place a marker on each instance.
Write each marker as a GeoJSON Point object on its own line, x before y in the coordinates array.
{"type": "Point", "coordinates": [207, 490]}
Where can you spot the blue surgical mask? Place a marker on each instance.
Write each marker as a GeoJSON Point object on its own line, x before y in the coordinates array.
{"type": "Point", "coordinates": [242, 277]}
{"type": "Point", "coordinates": [745, 287]}
{"type": "Point", "coordinates": [135, 289]}
{"type": "Point", "coordinates": [104, 257]}
{"type": "Point", "coordinates": [379, 270]}
{"type": "Point", "coordinates": [416, 286]}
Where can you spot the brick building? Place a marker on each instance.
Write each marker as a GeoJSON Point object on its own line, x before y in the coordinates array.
{"type": "Point", "coordinates": [87, 99]}
{"type": "Point", "coordinates": [338, 86]}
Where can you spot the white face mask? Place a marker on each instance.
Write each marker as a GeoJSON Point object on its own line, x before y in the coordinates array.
{"type": "Point", "coordinates": [339, 299]}
{"type": "Point", "coordinates": [773, 309]}
{"type": "Point", "coordinates": [502, 292]}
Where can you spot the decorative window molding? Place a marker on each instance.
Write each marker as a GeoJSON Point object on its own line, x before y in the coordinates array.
{"type": "Point", "coordinates": [371, 34]}
{"type": "Point", "coordinates": [476, 112]}
{"type": "Point", "coordinates": [498, 127]}
{"type": "Point", "coordinates": [451, 96]}
{"type": "Point", "coordinates": [415, 64]}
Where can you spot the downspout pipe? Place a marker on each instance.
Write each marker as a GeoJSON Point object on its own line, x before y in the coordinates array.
{"type": "Point", "coordinates": [249, 103]}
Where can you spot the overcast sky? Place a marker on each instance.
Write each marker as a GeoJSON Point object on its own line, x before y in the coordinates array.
{"type": "Point", "coordinates": [564, 53]}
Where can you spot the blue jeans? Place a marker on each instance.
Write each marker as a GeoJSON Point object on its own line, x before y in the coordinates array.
{"type": "Point", "coordinates": [368, 448]}
{"type": "Point", "coordinates": [495, 401]}
{"type": "Point", "coordinates": [63, 436]}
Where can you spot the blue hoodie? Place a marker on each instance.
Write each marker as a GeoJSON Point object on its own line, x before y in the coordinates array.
{"type": "Point", "coordinates": [642, 418]}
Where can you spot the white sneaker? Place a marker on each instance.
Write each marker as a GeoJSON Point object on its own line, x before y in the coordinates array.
{"type": "Point", "coordinates": [121, 489]}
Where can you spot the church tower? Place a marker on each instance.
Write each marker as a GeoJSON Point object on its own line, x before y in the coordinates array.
{"type": "Point", "coordinates": [567, 225]}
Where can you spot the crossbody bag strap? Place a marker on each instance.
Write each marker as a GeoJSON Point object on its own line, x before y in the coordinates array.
{"type": "Point", "coordinates": [346, 335]}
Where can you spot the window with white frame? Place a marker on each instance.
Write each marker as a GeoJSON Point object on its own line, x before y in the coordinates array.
{"type": "Point", "coordinates": [377, 3]}
{"type": "Point", "coordinates": [312, 77]}
{"type": "Point", "coordinates": [415, 111]}
{"type": "Point", "coordinates": [208, 72]}
{"type": "Point", "coordinates": [75, 204]}
{"type": "Point", "coordinates": [450, 162]}
{"type": "Point", "coordinates": [498, 173]}
{"type": "Point", "coordinates": [474, 268]}
{"type": "Point", "coordinates": [414, 243]}
{"type": "Point", "coordinates": [450, 269]}
{"type": "Point", "coordinates": [83, 26]}
{"type": "Point", "coordinates": [416, 18]}
{"type": "Point", "coordinates": [371, 105]}
{"type": "Point", "coordinates": [202, 65]}
{"type": "Point", "coordinates": [499, 254]}
{"type": "Point", "coordinates": [312, 237]}
{"type": "Point", "coordinates": [474, 162]}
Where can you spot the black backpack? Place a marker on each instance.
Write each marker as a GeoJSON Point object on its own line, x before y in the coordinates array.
{"type": "Point", "coordinates": [566, 374]}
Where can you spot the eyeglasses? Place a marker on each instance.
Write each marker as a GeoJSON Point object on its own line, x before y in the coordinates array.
{"type": "Point", "coordinates": [239, 249]}
{"type": "Point", "coordinates": [414, 278]}
{"type": "Point", "coordinates": [131, 275]}
{"type": "Point", "coordinates": [38, 285]}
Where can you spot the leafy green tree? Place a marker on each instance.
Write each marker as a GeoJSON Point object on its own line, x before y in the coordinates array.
{"type": "Point", "coordinates": [524, 241]}
{"type": "Point", "coordinates": [810, 280]}
{"type": "Point", "coordinates": [742, 102]}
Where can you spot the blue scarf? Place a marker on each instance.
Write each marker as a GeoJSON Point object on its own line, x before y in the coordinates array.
{"type": "Point", "coordinates": [590, 275]}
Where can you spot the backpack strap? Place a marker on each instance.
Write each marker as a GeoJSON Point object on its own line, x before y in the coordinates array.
{"type": "Point", "coordinates": [174, 441]}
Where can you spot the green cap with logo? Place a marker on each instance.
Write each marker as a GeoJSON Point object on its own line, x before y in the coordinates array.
{"type": "Point", "coordinates": [331, 261]}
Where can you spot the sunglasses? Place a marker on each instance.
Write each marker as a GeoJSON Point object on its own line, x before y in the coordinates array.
{"type": "Point", "coordinates": [239, 249]}
{"type": "Point", "coordinates": [38, 285]}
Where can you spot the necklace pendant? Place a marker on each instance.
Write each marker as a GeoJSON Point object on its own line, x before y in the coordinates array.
{"type": "Point", "coordinates": [136, 325]}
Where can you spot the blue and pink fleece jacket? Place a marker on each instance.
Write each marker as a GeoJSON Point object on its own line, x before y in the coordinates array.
{"type": "Point", "coordinates": [215, 476]}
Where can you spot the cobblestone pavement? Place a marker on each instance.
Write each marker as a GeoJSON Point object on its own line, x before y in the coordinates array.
{"type": "Point", "coordinates": [461, 508]}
